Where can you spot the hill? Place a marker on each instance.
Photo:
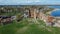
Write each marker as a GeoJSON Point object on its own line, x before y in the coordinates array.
{"type": "Point", "coordinates": [28, 26]}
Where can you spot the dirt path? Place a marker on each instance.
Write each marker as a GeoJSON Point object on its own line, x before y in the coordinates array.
{"type": "Point", "coordinates": [21, 30]}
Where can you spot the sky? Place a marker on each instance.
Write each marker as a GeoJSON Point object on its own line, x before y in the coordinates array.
{"type": "Point", "coordinates": [29, 2]}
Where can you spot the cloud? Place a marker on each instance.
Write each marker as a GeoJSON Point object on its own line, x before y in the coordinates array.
{"type": "Point", "coordinates": [24, 2]}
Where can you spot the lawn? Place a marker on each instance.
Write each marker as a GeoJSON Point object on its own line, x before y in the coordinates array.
{"type": "Point", "coordinates": [28, 26]}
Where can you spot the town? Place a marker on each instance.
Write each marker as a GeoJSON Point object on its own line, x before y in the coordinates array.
{"type": "Point", "coordinates": [28, 15]}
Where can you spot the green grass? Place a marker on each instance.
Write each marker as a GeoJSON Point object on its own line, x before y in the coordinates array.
{"type": "Point", "coordinates": [28, 26]}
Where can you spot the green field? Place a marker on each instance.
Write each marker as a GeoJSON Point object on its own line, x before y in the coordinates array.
{"type": "Point", "coordinates": [28, 26]}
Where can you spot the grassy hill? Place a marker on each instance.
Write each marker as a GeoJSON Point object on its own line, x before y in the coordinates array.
{"type": "Point", "coordinates": [28, 26]}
